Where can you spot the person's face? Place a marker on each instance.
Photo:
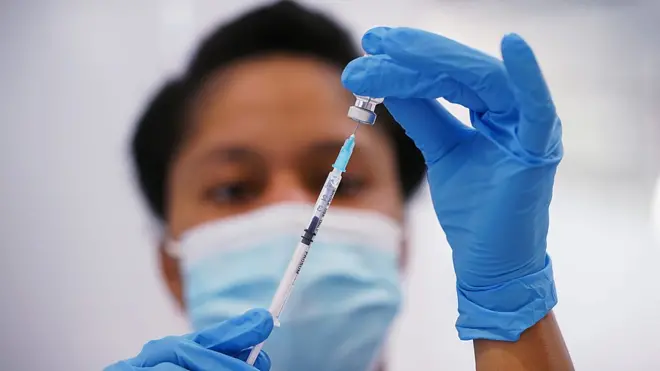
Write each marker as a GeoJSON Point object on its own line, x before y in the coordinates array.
{"type": "Point", "coordinates": [266, 131]}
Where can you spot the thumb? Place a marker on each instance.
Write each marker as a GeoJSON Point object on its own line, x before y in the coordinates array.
{"type": "Point", "coordinates": [238, 333]}
{"type": "Point", "coordinates": [539, 128]}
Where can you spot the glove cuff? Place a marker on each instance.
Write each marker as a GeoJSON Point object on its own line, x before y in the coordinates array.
{"type": "Point", "coordinates": [504, 311]}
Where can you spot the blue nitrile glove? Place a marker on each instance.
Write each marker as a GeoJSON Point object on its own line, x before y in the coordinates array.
{"type": "Point", "coordinates": [224, 347]}
{"type": "Point", "coordinates": [491, 186]}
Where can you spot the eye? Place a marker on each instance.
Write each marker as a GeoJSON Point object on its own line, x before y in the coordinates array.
{"type": "Point", "coordinates": [228, 193]}
{"type": "Point", "coordinates": [350, 186]}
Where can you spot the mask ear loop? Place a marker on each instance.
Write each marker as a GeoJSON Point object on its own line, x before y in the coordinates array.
{"type": "Point", "coordinates": [404, 255]}
{"type": "Point", "coordinates": [170, 269]}
{"type": "Point", "coordinates": [172, 247]}
{"type": "Point", "coordinates": [404, 252]}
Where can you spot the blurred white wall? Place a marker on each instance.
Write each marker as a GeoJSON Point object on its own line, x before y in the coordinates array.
{"type": "Point", "coordinates": [80, 284]}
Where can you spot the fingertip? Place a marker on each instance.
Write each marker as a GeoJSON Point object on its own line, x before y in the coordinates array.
{"type": "Point", "coordinates": [120, 366]}
{"type": "Point", "coordinates": [257, 312]}
{"type": "Point", "coordinates": [523, 69]}
{"type": "Point", "coordinates": [402, 41]}
{"type": "Point", "coordinates": [513, 45]}
{"type": "Point", "coordinates": [261, 316]}
{"type": "Point", "coordinates": [512, 37]}
{"type": "Point", "coordinates": [523, 66]}
{"type": "Point", "coordinates": [347, 75]}
{"type": "Point", "coordinates": [372, 40]}
{"type": "Point", "coordinates": [539, 128]}
{"type": "Point", "coordinates": [355, 73]}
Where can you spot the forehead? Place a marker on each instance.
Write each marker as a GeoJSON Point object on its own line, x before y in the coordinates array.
{"type": "Point", "coordinates": [272, 99]}
{"type": "Point", "coordinates": [271, 126]}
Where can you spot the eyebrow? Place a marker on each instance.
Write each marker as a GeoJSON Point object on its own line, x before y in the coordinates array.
{"type": "Point", "coordinates": [329, 148]}
{"type": "Point", "coordinates": [229, 154]}
{"type": "Point", "coordinates": [325, 146]}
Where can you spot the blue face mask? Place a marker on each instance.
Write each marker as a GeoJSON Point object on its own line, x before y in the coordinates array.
{"type": "Point", "coordinates": [344, 301]}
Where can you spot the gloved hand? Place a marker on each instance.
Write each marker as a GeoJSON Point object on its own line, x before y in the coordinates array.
{"type": "Point", "coordinates": [224, 347]}
{"type": "Point", "coordinates": [491, 185]}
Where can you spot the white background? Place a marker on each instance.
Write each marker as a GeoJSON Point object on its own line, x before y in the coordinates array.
{"type": "Point", "coordinates": [80, 287]}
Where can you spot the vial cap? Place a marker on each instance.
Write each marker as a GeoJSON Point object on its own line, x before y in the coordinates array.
{"type": "Point", "coordinates": [361, 115]}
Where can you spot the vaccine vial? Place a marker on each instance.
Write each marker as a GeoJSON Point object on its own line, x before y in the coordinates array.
{"type": "Point", "coordinates": [364, 109]}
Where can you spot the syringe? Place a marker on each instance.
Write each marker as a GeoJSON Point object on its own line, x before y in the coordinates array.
{"type": "Point", "coordinates": [300, 254]}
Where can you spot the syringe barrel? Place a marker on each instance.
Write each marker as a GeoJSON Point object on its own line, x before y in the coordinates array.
{"type": "Point", "coordinates": [287, 282]}
{"type": "Point", "coordinates": [327, 192]}
{"type": "Point", "coordinates": [302, 249]}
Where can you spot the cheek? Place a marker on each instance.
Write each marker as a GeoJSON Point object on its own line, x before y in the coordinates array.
{"type": "Point", "coordinates": [384, 193]}
{"type": "Point", "coordinates": [386, 200]}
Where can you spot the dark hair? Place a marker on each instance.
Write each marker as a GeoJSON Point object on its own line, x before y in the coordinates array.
{"type": "Point", "coordinates": [281, 27]}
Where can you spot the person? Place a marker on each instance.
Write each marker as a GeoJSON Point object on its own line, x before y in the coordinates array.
{"type": "Point", "coordinates": [231, 155]}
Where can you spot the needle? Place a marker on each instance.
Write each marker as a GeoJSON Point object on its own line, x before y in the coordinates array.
{"type": "Point", "coordinates": [356, 127]}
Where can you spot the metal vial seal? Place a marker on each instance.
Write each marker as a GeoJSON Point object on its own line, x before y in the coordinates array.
{"type": "Point", "coordinates": [364, 109]}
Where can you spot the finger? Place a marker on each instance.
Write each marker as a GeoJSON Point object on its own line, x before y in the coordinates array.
{"type": "Point", "coordinates": [191, 356]}
{"type": "Point", "coordinates": [539, 126]}
{"type": "Point", "coordinates": [434, 130]}
{"type": "Point", "coordinates": [380, 76]}
{"type": "Point", "coordinates": [434, 54]}
{"type": "Point", "coordinates": [263, 360]}
{"type": "Point", "coordinates": [120, 366]}
{"type": "Point", "coordinates": [238, 333]}
{"type": "Point", "coordinates": [231, 336]}
{"type": "Point", "coordinates": [162, 367]}
{"type": "Point", "coordinates": [371, 41]}
{"type": "Point", "coordinates": [157, 351]}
